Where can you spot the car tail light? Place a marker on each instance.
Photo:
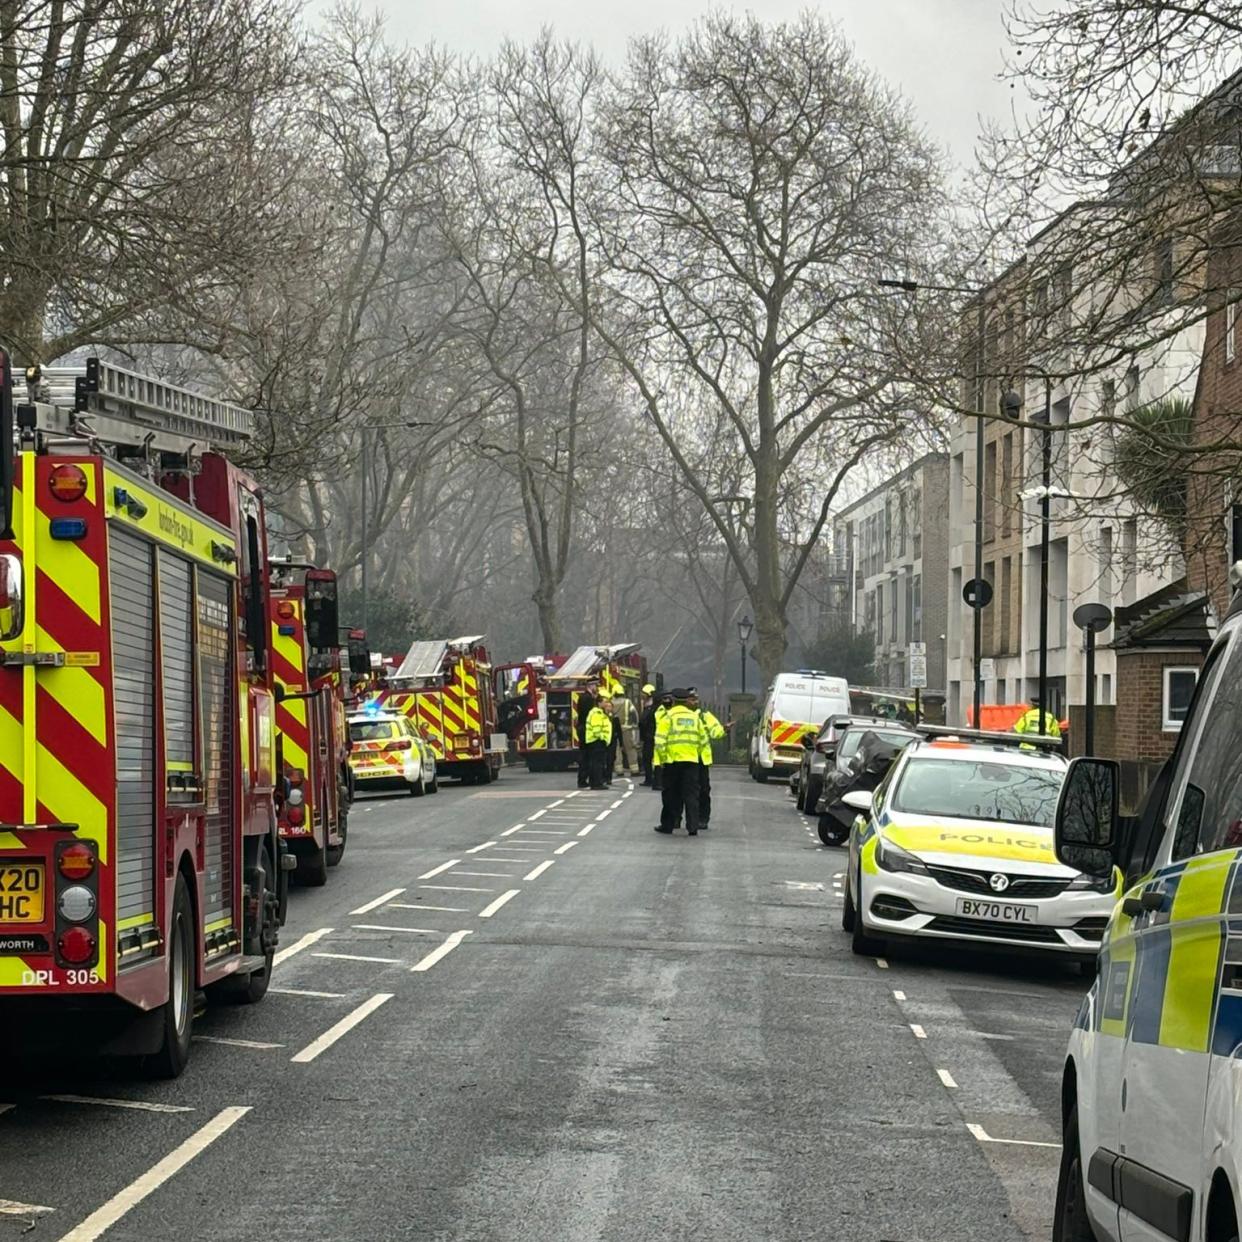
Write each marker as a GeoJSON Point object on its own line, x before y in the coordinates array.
{"type": "Point", "coordinates": [76, 862]}
{"type": "Point", "coordinates": [76, 945]}
{"type": "Point", "coordinates": [67, 482]}
{"type": "Point", "coordinates": [295, 814]}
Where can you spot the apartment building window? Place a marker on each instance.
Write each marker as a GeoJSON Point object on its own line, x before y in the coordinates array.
{"type": "Point", "coordinates": [956, 491]}
{"type": "Point", "coordinates": [1235, 532]}
{"type": "Point", "coordinates": [879, 616]}
{"type": "Point", "coordinates": [892, 611]}
{"type": "Point", "coordinates": [1130, 389]}
{"type": "Point", "coordinates": [888, 529]}
{"type": "Point", "coordinates": [869, 611]}
{"type": "Point", "coordinates": [1006, 606]}
{"type": "Point", "coordinates": [989, 492]}
{"type": "Point", "coordinates": [1231, 326]}
{"type": "Point", "coordinates": [916, 610]}
{"type": "Point", "coordinates": [1000, 690]}
{"type": "Point", "coordinates": [1106, 687]}
{"type": "Point", "coordinates": [988, 620]}
{"type": "Point", "coordinates": [1007, 484]}
{"type": "Point", "coordinates": [1063, 293]}
{"type": "Point", "coordinates": [1179, 686]}
{"type": "Point", "coordinates": [901, 524]}
{"type": "Point", "coordinates": [916, 523]}
{"type": "Point", "coordinates": [908, 633]}
{"type": "Point", "coordinates": [1129, 559]}
{"type": "Point", "coordinates": [955, 607]}
{"type": "Point", "coordinates": [1104, 554]}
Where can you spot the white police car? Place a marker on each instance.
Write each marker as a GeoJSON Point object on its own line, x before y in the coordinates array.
{"type": "Point", "coordinates": [956, 843]}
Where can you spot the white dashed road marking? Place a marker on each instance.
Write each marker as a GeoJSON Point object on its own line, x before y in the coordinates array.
{"type": "Point", "coordinates": [141, 1106]}
{"type": "Point", "coordinates": [564, 849]}
{"type": "Point", "coordinates": [474, 849]}
{"type": "Point", "coordinates": [338, 1029]}
{"type": "Point", "coordinates": [899, 996]}
{"type": "Point", "coordinates": [379, 901]}
{"type": "Point", "coordinates": [919, 1033]}
{"type": "Point", "coordinates": [457, 888]}
{"type": "Point", "coordinates": [586, 830]}
{"type": "Point", "coordinates": [298, 945]}
{"type": "Point", "coordinates": [508, 832]}
{"type": "Point", "coordinates": [101, 1220]}
{"type": "Point", "coordinates": [489, 910]}
{"type": "Point", "coordinates": [984, 1137]}
{"type": "Point", "coordinates": [301, 992]}
{"type": "Point", "coordinates": [427, 875]}
{"type": "Point", "coordinates": [530, 819]}
{"type": "Point", "coordinates": [418, 905]}
{"type": "Point", "coordinates": [357, 957]}
{"type": "Point", "coordinates": [946, 1078]}
{"type": "Point", "coordinates": [441, 952]}
{"type": "Point", "coordinates": [10, 1207]}
{"type": "Point", "coordinates": [418, 931]}
{"type": "Point", "coordinates": [253, 1044]}
{"type": "Point", "coordinates": [538, 871]}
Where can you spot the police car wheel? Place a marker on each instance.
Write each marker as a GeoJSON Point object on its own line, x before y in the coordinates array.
{"type": "Point", "coordinates": [1071, 1223]}
{"type": "Point", "coordinates": [862, 944]}
{"type": "Point", "coordinates": [848, 913]}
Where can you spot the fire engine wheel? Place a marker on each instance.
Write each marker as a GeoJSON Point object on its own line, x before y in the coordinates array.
{"type": "Point", "coordinates": [337, 852]}
{"type": "Point", "coordinates": [177, 1013]}
{"type": "Point", "coordinates": [251, 988]}
{"type": "Point", "coordinates": [313, 868]}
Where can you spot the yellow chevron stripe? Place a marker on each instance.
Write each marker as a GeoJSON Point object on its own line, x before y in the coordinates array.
{"type": "Point", "coordinates": [75, 573]}
{"type": "Point", "coordinates": [78, 693]}
{"type": "Point", "coordinates": [29, 740]}
{"type": "Point", "coordinates": [105, 951]}
{"type": "Point", "coordinates": [288, 648]}
{"type": "Point", "coordinates": [294, 755]}
{"type": "Point", "coordinates": [11, 971]}
{"type": "Point", "coordinates": [71, 802]}
{"type": "Point", "coordinates": [10, 841]}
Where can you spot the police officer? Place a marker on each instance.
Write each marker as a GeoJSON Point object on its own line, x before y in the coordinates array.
{"type": "Point", "coordinates": [714, 730]}
{"type": "Point", "coordinates": [586, 701]}
{"type": "Point", "coordinates": [661, 709]}
{"type": "Point", "coordinates": [679, 741]}
{"type": "Point", "coordinates": [597, 738]}
{"type": "Point", "coordinates": [1029, 723]}
{"type": "Point", "coordinates": [646, 730]}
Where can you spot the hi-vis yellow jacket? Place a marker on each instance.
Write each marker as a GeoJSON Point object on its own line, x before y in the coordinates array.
{"type": "Point", "coordinates": [680, 735]}
{"type": "Point", "coordinates": [598, 726]}
{"type": "Point", "coordinates": [714, 730]}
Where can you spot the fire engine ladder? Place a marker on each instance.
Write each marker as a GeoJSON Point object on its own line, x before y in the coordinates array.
{"type": "Point", "coordinates": [586, 661]}
{"type": "Point", "coordinates": [133, 414]}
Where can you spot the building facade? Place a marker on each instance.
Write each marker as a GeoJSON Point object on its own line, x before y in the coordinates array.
{"type": "Point", "coordinates": [896, 539]}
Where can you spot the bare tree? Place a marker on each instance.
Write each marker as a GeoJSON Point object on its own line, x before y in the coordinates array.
{"type": "Point", "coordinates": [126, 191]}
{"type": "Point", "coordinates": [754, 182]}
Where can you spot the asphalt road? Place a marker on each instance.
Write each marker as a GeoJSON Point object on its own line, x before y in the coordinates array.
{"type": "Point", "coordinates": [516, 1013]}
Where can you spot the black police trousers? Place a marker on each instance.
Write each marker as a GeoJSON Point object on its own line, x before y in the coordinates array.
{"type": "Point", "coordinates": [679, 795]}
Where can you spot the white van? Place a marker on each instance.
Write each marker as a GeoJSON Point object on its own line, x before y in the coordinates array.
{"type": "Point", "coordinates": [797, 704]}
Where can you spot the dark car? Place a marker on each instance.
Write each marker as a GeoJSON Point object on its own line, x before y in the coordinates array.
{"type": "Point", "coordinates": [807, 783]}
{"type": "Point", "coordinates": [863, 754]}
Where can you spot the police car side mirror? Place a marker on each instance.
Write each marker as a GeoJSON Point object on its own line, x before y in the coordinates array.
{"type": "Point", "coordinates": [1085, 832]}
{"type": "Point", "coordinates": [857, 800]}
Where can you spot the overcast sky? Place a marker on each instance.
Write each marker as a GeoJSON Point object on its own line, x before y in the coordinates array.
{"type": "Point", "coordinates": [943, 55]}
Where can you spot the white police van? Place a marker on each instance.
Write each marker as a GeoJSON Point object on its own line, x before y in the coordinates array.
{"type": "Point", "coordinates": [797, 705]}
{"type": "Point", "coordinates": [1152, 1087]}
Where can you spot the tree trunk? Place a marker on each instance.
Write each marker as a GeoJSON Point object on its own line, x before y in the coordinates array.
{"type": "Point", "coordinates": [766, 598]}
{"type": "Point", "coordinates": [549, 620]}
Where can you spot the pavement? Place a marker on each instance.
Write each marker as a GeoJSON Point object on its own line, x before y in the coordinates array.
{"type": "Point", "coordinates": [517, 1013]}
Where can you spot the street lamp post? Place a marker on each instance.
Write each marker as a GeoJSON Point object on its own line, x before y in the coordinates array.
{"type": "Point", "coordinates": [1091, 619]}
{"type": "Point", "coordinates": [913, 286]}
{"type": "Point", "coordinates": [745, 628]}
{"type": "Point", "coordinates": [366, 474]}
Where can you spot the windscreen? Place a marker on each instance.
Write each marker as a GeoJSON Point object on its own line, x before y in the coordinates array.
{"type": "Point", "coordinates": [848, 745]}
{"type": "Point", "coordinates": [979, 790]}
{"type": "Point", "coordinates": [372, 730]}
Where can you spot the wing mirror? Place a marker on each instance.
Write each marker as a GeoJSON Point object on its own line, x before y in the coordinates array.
{"type": "Point", "coordinates": [857, 800]}
{"type": "Point", "coordinates": [1086, 829]}
{"type": "Point", "coordinates": [12, 600]}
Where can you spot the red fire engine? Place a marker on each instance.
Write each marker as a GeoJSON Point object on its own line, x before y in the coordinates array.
{"type": "Point", "coordinates": [314, 792]}
{"type": "Point", "coordinates": [139, 853]}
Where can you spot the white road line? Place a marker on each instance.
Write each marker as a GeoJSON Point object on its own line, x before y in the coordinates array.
{"type": "Point", "coordinates": [564, 849]}
{"type": "Point", "coordinates": [840, 875]}
{"type": "Point", "coordinates": [946, 1078]}
{"type": "Point", "coordinates": [474, 849]}
{"type": "Point", "coordinates": [984, 1137]}
{"type": "Point", "coordinates": [508, 832]}
{"type": "Point", "coordinates": [575, 793]}
{"type": "Point", "coordinates": [586, 830]}
{"type": "Point", "coordinates": [379, 901]}
{"type": "Point", "coordinates": [418, 905]}
{"type": "Point", "coordinates": [418, 931]}
{"type": "Point", "coordinates": [486, 875]}
{"type": "Point", "coordinates": [356, 957]}
{"type": "Point", "coordinates": [627, 793]}
{"type": "Point", "coordinates": [524, 849]}
{"type": "Point", "coordinates": [103, 1218]}
{"type": "Point", "coordinates": [457, 888]}
{"type": "Point", "coordinates": [10, 1207]}
{"type": "Point", "coordinates": [534, 815]}
{"type": "Point", "coordinates": [443, 951]}
{"type": "Point", "coordinates": [283, 955]}
{"type": "Point", "coordinates": [427, 875]}
{"type": "Point", "coordinates": [141, 1106]}
{"type": "Point", "coordinates": [986, 1035]}
{"type": "Point", "coordinates": [556, 803]}
{"type": "Point", "coordinates": [497, 858]}
{"type": "Point", "coordinates": [603, 814]}
{"type": "Point", "coordinates": [257, 1045]}
{"type": "Point", "coordinates": [899, 996]}
{"type": "Point", "coordinates": [300, 992]}
{"type": "Point", "coordinates": [919, 1033]}
{"type": "Point", "coordinates": [882, 963]}
{"type": "Point", "coordinates": [343, 1027]}
{"type": "Point", "coordinates": [546, 832]}
{"type": "Point", "coordinates": [539, 870]}
{"type": "Point", "coordinates": [489, 910]}
{"type": "Point", "coordinates": [613, 806]}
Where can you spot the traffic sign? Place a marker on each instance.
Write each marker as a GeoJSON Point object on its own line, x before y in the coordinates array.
{"type": "Point", "coordinates": [918, 666]}
{"type": "Point", "coordinates": [977, 593]}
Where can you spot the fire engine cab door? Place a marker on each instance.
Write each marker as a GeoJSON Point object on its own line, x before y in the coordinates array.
{"type": "Point", "coordinates": [133, 660]}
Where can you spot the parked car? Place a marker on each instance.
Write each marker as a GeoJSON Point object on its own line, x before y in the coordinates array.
{"type": "Point", "coordinates": [387, 750]}
{"type": "Point", "coordinates": [863, 755]}
{"type": "Point", "coordinates": [807, 783]}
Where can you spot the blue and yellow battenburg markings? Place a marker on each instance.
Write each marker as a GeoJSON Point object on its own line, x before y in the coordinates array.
{"type": "Point", "coordinates": [1172, 977]}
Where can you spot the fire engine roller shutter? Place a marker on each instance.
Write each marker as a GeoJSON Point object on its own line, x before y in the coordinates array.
{"type": "Point", "coordinates": [216, 688]}
{"type": "Point", "coordinates": [177, 652]}
{"type": "Point", "coordinates": [133, 663]}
